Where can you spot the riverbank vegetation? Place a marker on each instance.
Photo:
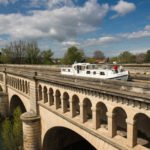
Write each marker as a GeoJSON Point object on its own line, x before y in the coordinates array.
{"type": "Point", "coordinates": [11, 135]}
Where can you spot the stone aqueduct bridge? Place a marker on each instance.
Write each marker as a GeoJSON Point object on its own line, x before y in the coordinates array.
{"type": "Point", "coordinates": [59, 110]}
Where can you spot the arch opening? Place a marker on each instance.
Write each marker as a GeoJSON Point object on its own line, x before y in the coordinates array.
{"type": "Point", "coordinates": [40, 92]}
{"type": "Point", "coordinates": [60, 138]}
{"type": "Point", "coordinates": [142, 123]}
{"type": "Point", "coordinates": [101, 116]}
{"type": "Point", "coordinates": [87, 110]}
{"type": "Point", "coordinates": [1, 89]}
{"type": "Point", "coordinates": [57, 99]}
{"type": "Point", "coordinates": [66, 104]}
{"type": "Point", "coordinates": [120, 124]}
{"type": "Point", "coordinates": [75, 106]}
{"type": "Point", "coordinates": [45, 95]}
{"type": "Point", "coordinates": [51, 97]}
{"type": "Point", "coordinates": [16, 102]}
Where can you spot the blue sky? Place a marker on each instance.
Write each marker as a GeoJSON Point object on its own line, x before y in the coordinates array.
{"type": "Point", "coordinates": [112, 26]}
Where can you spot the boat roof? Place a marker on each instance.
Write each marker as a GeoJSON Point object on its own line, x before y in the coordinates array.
{"type": "Point", "coordinates": [82, 64]}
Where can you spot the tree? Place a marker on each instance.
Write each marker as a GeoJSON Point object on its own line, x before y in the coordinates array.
{"type": "Point", "coordinates": [32, 53]}
{"type": "Point", "coordinates": [147, 57]}
{"type": "Point", "coordinates": [72, 55]}
{"type": "Point", "coordinates": [126, 57]}
{"type": "Point", "coordinates": [14, 53]}
{"type": "Point", "coordinates": [21, 52]}
{"type": "Point", "coordinates": [6, 55]}
{"type": "Point", "coordinates": [7, 134]}
{"type": "Point", "coordinates": [17, 129]}
{"type": "Point", "coordinates": [47, 56]}
{"type": "Point", "coordinates": [12, 134]}
{"type": "Point", "coordinates": [98, 55]}
{"type": "Point", "coordinates": [140, 58]}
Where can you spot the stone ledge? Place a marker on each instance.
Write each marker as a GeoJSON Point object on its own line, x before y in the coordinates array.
{"type": "Point", "coordinates": [29, 116]}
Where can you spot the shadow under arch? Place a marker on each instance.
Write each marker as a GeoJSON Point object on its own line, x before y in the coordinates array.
{"type": "Point", "coordinates": [16, 102]}
{"type": "Point", "coordinates": [142, 122]}
{"type": "Point", "coordinates": [1, 89]}
{"type": "Point", "coordinates": [61, 138]}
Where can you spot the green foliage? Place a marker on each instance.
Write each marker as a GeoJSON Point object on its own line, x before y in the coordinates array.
{"type": "Point", "coordinates": [126, 57]}
{"type": "Point", "coordinates": [114, 59]}
{"type": "Point", "coordinates": [140, 58]}
{"type": "Point", "coordinates": [73, 54]}
{"type": "Point", "coordinates": [6, 55]}
{"type": "Point", "coordinates": [22, 52]}
{"type": "Point", "coordinates": [7, 134]}
{"type": "Point", "coordinates": [12, 132]}
{"type": "Point", "coordinates": [147, 57]}
{"type": "Point", "coordinates": [47, 56]}
{"type": "Point", "coordinates": [91, 60]}
{"type": "Point", "coordinates": [17, 128]}
{"type": "Point", "coordinates": [32, 53]}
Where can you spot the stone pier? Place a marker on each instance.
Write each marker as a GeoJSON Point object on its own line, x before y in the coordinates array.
{"type": "Point", "coordinates": [31, 131]}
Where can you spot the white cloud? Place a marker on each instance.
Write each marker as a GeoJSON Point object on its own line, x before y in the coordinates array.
{"type": "Point", "coordinates": [100, 41]}
{"type": "Point", "coordinates": [70, 43]}
{"type": "Point", "coordinates": [139, 34]}
{"type": "Point", "coordinates": [122, 8]}
{"type": "Point", "coordinates": [5, 2]}
{"type": "Point", "coordinates": [147, 27]}
{"type": "Point", "coordinates": [60, 24]}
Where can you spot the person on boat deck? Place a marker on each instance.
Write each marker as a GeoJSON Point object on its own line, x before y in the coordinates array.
{"type": "Point", "coordinates": [115, 67]}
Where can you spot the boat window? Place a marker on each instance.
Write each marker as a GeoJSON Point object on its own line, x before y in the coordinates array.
{"type": "Point", "coordinates": [82, 67]}
{"type": "Point", "coordinates": [78, 67]}
{"type": "Point", "coordinates": [75, 67]}
{"type": "Point", "coordinates": [102, 73]}
{"type": "Point", "coordinates": [91, 67]}
{"type": "Point", "coordinates": [88, 72]}
{"type": "Point", "coordinates": [94, 72]}
{"type": "Point", "coordinates": [68, 70]}
{"type": "Point", "coordinates": [63, 69]}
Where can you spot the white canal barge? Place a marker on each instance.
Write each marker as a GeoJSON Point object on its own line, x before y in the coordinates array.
{"type": "Point", "coordinates": [92, 71]}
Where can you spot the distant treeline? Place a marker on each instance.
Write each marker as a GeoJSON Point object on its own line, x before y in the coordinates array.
{"type": "Point", "coordinates": [29, 53]}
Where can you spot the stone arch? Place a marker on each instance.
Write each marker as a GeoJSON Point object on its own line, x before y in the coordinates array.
{"type": "Point", "coordinates": [51, 96]}
{"type": "Point", "coordinates": [16, 102]}
{"type": "Point", "coordinates": [101, 117]}
{"type": "Point", "coordinates": [63, 138]}
{"type": "Point", "coordinates": [40, 93]}
{"type": "Point", "coordinates": [119, 119]}
{"type": "Point", "coordinates": [87, 110]}
{"type": "Point", "coordinates": [66, 104]}
{"type": "Point", "coordinates": [142, 127]}
{"type": "Point", "coordinates": [75, 106]}
{"type": "Point", "coordinates": [57, 99]}
{"type": "Point", "coordinates": [45, 94]}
